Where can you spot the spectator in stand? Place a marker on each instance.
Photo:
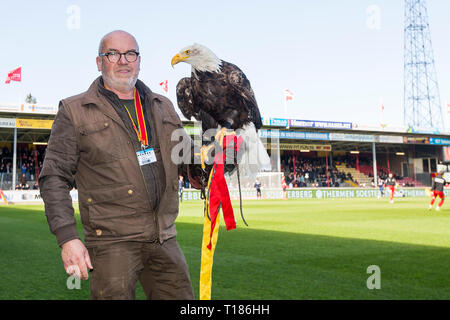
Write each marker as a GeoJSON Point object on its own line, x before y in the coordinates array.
{"type": "Point", "coordinates": [23, 185]}
{"type": "Point", "coordinates": [302, 181]}
{"type": "Point", "coordinates": [8, 171]}
{"type": "Point", "coordinates": [2, 172]}
{"type": "Point", "coordinates": [24, 182]}
{"type": "Point", "coordinates": [28, 172]}
{"type": "Point", "coordinates": [24, 168]}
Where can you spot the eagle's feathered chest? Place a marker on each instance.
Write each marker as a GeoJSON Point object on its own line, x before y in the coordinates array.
{"type": "Point", "coordinates": [211, 90]}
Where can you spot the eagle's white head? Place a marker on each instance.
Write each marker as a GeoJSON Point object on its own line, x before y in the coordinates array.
{"type": "Point", "coordinates": [199, 57]}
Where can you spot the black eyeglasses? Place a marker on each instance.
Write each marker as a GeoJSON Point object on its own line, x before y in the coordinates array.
{"type": "Point", "coordinates": [115, 56]}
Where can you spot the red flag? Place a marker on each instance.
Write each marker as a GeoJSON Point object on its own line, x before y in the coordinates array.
{"type": "Point", "coordinates": [288, 94]}
{"type": "Point", "coordinates": [165, 85]}
{"type": "Point", "coordinates": [219, 196]}
{"type": "Point", "coordinates": [15, 75]}
{"type": "Point", "coordinates": [448, 108]}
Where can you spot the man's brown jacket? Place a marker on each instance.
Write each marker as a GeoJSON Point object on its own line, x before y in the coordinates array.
{"type": "Point", "coordinates": [89, 144]}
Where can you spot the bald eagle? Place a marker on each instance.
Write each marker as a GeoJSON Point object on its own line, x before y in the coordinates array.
{"type": "Point", "coordinates": [217, 93]}
{"type": "Point", "coordinates": [220, 96]}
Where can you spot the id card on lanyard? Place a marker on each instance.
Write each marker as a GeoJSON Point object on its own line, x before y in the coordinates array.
{"type": "Point", "coordinates": [146, 156]}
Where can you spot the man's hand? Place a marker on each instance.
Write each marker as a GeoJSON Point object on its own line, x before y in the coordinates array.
{"type": "Point", "coordinates": [76, 259]}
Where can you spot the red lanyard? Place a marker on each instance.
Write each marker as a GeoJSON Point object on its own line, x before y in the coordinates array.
{"type": "Point", "coordinates": [141, 130]}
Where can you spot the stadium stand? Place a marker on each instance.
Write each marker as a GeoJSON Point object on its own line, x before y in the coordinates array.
{"type": "Point", "coordinates": [29, 165]}
{"type": "Point", "coordinates": [345, 172]}
{"type": "Point", "coordinates": [311, 172]}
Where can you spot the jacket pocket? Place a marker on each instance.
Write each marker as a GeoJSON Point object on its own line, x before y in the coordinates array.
{"type": "Point", "coordinates": [113, 211]}
{"type": "Point", "coordinates": [100, 142]}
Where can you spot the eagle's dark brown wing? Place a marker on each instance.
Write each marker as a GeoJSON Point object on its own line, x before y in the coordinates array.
{"type": "Point", "coordinates": [185, 99]}
{"type": "Point", "coordinates": [186, 103]}
{"type": "Point", "coordinates": [240, 85]}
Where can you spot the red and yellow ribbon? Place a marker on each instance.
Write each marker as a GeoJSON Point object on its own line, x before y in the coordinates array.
{"type": "Point", "coordinates": [2, 196]}
{"type": "Point", "coordinates": [217, 199]}
{"type": "Point", "coordinates": [140, 129]}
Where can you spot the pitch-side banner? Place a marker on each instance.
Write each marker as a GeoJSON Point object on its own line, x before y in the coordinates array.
{"type": "Point", "coordinates": [352, 137]}
{"type": "Point", "coordinates": [315, 193]}
{"type": "Point", "coordinates": [343, 193]}
{"type": "Point", "coordinates": [279, 122]}
{"type": "Point", "coordinates": [34, 123]}
{"type": "Point", "coordinates": [389, 139]}
{"type": "Point", "coordinates": [423, 130]}
{"type": "Point", "coordinates": [28, 108]}
{"type": "Point", "coordinates": [294, 135]}
{"type": "Point", "coordinates": [416, 140]}
{"type": "Point", "coordinates": [439, 141]}
{"type": "Point", "coordinates": [30, 196]}
{"type": "Point", "coordinates": [300, 146]}
{"type": "Point", "coordinates": [320, 124]}
{"type": "Point", "coordinates": [33, 196]}
{"type": "Point", "coordinates": [7, 123]}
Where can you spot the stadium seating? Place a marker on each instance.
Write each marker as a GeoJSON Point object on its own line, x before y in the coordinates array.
{"type": "Point", "coordinates": [359, 177]}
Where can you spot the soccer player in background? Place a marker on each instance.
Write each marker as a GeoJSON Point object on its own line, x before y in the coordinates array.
{"type": "Point", "coordinates": [437, 190]}
{"type": "Point", "coordinates": [390, 183]}
{"type": "Point", "coordinates": [381, 187]}
{"type": "Point", "coordinates": [257, 185]}
{"type": "Point", "coordinates": [180, 187]}
{"type": "Point", "coordinates": [284, 187]}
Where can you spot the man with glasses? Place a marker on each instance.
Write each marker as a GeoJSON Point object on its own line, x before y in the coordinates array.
{"type": "Point", "coordinates": [114, 141]}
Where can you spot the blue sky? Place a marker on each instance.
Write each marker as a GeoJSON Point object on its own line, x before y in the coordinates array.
{"type": "Point", "coordinates": [327, 52]}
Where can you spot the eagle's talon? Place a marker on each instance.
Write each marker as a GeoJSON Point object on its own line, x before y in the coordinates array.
{"type": "Point", "coordinates": [204, 154]}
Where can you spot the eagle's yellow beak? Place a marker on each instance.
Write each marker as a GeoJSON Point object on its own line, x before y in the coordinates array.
{"type": "Point", "coordinates": [178, 58]}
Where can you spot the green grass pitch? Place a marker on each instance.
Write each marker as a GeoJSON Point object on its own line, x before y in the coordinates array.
{"type": "Point", "coordinates": [292, 249]}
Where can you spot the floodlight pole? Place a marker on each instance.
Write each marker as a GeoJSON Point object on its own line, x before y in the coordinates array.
{"type": "Point", "coordinates": [14, 160]}
{"type": "Point", "coordinates": [421, 98]}
{"type": "Point", "coordinates": [374, 160]}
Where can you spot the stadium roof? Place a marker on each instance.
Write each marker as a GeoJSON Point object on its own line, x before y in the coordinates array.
{"type": "Point", "coordinates": [36, 121]}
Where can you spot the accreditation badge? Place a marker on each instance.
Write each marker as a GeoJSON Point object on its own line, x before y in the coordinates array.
{"type": "Point", "coordinates": [146, 156]}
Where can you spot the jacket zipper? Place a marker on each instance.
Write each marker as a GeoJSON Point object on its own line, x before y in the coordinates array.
{"type": "Point", "coordinates": [155, 220]}
{"type": "Point", "coordinates": [155, 213]}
